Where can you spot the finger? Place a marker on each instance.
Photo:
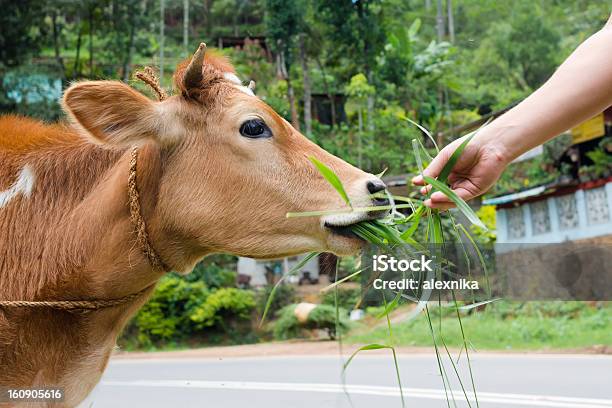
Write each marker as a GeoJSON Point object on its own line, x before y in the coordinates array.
{"type": "Point", "coordinates": [439, 206]}
{"type": "Point", "coordinates": [438, 162]}
{"type": "Point", "coordinates": [439, 197]}
{"type": "Point", "coordinates": [418, 180]}
{"type": "Point", "coordinates": [425, 190]}
{"type": "Point", "coordinates": [465, 194]}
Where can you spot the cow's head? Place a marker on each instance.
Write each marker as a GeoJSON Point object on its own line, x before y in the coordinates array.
{"type": "Point", "coordinates": [233, 167]}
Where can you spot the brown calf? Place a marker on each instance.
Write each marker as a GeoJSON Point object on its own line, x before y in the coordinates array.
{"type": "Point", "coordinates": [218, 170]}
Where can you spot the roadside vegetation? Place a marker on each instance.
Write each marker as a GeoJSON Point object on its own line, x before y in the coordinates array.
{"type": "Point", "coordinates": [504, 325]}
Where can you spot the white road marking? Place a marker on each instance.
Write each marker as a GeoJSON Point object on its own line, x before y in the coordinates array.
{"type": "Point", "coordinates": [24, 185]}
{"type": "Point", "coordinates": [425, 393]}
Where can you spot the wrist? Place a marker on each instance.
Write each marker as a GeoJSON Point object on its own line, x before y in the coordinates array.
{"type": "Point", "coordinates": [501, 140]}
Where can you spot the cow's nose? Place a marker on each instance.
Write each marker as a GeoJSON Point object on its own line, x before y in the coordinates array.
{"type": "Point", "coordinates": [377, 186]}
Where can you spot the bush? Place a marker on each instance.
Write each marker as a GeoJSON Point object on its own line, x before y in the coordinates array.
{"type": "Point", "coordinates": [165, 317]}
{"type": "Point", "coordinates": [284, 296]}
{"type": "Point", "coordinates": [217, 271]}
{"type": "Point", "coordinates": [181, 311]}
{"type": "Point", "coordinates": [347, 297]}
{"type": "Point", "coordinates": [223, 305]}
{"type": "Point", "coordinates": [322, 317]}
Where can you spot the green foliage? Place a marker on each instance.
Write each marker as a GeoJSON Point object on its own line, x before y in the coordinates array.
{"type": "Point", "coordinates": [283, 22]}
{"type": "Point", "coordinates": [529, 43]}
{"type": "Point", "coordinates": [601, 158]}
{"type": "Point", "coordinates": [348, 297]}
{"type": "Point", "coordinates": [284, 296]}
{"type": "Point", "coordinates": [359, 89]}
{"type": "Point", "coordinates": [221, 305]}
{"type": "Point", "coordinates": [509, 325]}
{"type": "Point", "coordinates": [19, 37]}
{"type": "Point", "coordinates": [181, 311]}
{"type": "Point", "coordinates": [322, 317]}
{"type": "Point", "coordinates": [217, 271]}
{"type": "Point", "coordinates": [287, 325]}
{"type": "Point", "coordinates": [166, 316]}
{"type": "Point", "coordinates": [487, 215]}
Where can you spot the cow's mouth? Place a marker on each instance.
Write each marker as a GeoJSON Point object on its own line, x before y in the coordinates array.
{"type": "Point", "coordinates": [341, 238]}
{"type": "Point", "coordinates": [342, 225]}
{"type": "Point", "coordinates": [343, 230]}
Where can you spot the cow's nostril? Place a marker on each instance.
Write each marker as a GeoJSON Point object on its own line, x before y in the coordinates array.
{"type": "Point", "coordinates": [376, 186]}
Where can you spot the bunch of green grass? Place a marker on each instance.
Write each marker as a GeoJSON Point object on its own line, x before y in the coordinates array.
{"type": "Point", "coordinates": [397, 229]}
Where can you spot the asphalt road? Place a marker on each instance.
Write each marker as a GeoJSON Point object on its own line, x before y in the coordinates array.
{"type": "Point", "coordinates": [502, 381]}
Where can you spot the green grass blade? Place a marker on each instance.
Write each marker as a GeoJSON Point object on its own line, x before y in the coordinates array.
{"type": "Point", "coordinates": [373, 346]}
{"type": "Point", "coordinates": [467, 353]}
{"type": "Point", "coordinates": [459, 202]}
{"type": "Point", "coordinates": [333, 285]}
{"type": "Point", "coordinates": [439, 360]}
{"type": "Point", "coordinates": [477, 304]}
{"type": "Point", "coordinates": [417, 155]}
{"type": "Point", "coordinates": [448, 167]}
{"type": "Point", "coordinates": [426, 133]}
{"type": "Point", "coordinates": [396, 364]}
{"type": "Point", "coordinates": [332, 179]}
{"type": "Point", "coordinates": [389, 307]}
{"type": "Point", "coordinates": [318, 213]}
{"type": "Point", "coordinates": [412, 229]}
{"type": "Point", "coordinates": [480, 257]}
{"type": "Point", "coordinates": [293, 270]}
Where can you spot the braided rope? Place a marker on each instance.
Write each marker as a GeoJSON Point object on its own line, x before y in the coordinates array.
{"type": "Point", "coordinates": [142, 238]}
{"type": "Point", "coordinates": [74, 304]}
{"type": "Point", "coordinates": [148, 77]}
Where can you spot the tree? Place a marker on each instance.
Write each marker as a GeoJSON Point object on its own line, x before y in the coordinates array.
{"type": "Point", "coordinates": [528, 42]}
{"type": "Point", "coordinates": [185, 26]}
{"type": "Point", "coordinates": [162, 38]}
{"type": "Point", "coordinates": [356, 30]}
{"type": "Point", "coordinates": [307, 86]}
{"type": "Point", "coordinates": [17, 39]}
{"type": "Point", "coordinates": [359, 91]}
{"type": "Point", "coordinates": [283, 24]}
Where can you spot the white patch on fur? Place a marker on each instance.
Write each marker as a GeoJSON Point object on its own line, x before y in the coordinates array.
{"type": "Point", "coordinates": [232, 78]}
{"type": "Point", "coordinates": [168, 123]}
{"type": "Point", "coordinates": [24, 185]}
{"type": "Point", "coordinates": [238, 83]}
{"type": "Point", "coordinates": [342, 220]}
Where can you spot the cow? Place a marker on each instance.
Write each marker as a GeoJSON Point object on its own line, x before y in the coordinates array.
{"type": "Point", "coordinates": [210, 169]}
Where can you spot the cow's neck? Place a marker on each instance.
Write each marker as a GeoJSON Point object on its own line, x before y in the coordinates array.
{"type": "Point", "coordinates": [78, 246]}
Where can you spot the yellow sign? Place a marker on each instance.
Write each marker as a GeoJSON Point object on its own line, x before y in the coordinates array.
{"type": "Point", "coordinates": [588, 130]}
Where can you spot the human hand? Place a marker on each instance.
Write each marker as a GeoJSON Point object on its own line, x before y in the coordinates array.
{"type": "Point", "coordinates": [478, 168]}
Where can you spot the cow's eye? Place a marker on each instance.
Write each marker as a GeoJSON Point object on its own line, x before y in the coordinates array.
{"type": "Point", "coordinates": [255, 128]}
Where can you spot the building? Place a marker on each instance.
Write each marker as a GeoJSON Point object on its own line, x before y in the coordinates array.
{"type": "Point", "coordinates": [575, 207]}
{"type": "Point", "coordinates": [263, 272]}
{"type": "Point", "coordinates": [555, 213]}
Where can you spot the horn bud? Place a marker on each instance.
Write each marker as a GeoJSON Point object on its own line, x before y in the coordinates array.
{"type": "Point", "coordinates": [193, 73]}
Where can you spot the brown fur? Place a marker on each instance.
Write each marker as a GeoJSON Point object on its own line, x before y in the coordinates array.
{"type": "Point", "coordinates": [204, 189]}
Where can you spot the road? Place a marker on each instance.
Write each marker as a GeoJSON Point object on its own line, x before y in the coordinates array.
{"type": "Point", "coordinates": [502, 381]}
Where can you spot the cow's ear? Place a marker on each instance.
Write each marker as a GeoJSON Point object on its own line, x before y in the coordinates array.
{"type": "Point", "coordinates": [112, 113]}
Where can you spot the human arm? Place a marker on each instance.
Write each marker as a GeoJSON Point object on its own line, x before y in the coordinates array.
{"type": "Point", "coordinates": [579, 89]}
